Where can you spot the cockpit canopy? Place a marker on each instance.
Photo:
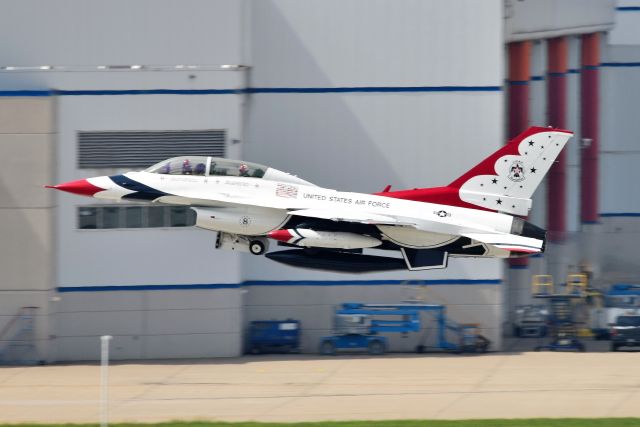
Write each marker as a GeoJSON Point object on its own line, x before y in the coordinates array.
{"type": "Point", "coordinates": [208, 166]}
{"type": "Point", "coordinates": [215, 166]}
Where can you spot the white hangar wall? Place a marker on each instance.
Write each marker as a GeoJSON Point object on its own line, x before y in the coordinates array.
{"type": "Point", "coordinates": [160, 314]}
{"type": "Point", "coordinates": [409, 113]}
{"type": "Point", "coordinates": [177, 297]}
{"type": "Point", "coordinates": [119, 32]}
{"type": "Point", "coordinates": [352, 95]}
{"type": "Point", "coordinates": [143, 255]}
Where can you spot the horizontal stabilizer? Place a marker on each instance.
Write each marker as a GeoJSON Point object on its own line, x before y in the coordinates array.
{"type": "Point", "coordinates": [509, 242]}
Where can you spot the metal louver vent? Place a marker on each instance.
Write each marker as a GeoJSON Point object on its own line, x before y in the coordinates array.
{"type": "Point", "coordinates": [129, 149]}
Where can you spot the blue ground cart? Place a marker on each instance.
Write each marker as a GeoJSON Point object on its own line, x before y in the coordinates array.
{"type": "Point", "coordinates": [274, 336]}
{"type": "Point", "coordinates": [357, 326]}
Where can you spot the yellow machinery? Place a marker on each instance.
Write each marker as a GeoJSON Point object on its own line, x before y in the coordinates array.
{"type": "Point", "coordinates": [542, 285]}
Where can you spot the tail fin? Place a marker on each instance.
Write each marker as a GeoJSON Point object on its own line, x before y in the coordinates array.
{"type": "Point", "coordinates": [506, 180]}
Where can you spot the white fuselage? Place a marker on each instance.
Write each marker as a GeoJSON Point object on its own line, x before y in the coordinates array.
{"type": "Point", "coordinates": [264, 205]}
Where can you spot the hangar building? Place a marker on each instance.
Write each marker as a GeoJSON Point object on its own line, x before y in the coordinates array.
{"type": "Point", "coordinates": [351, 95]}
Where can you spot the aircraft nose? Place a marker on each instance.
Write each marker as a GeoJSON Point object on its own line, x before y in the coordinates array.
{"type": "Point", "coordinates": [81, 187]}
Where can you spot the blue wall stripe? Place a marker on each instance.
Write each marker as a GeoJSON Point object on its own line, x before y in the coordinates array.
{"type": "Point", "coordinates": [146, 287]}
{"type": "Point", "coordinates": [620, 64]}
{"type": "Point", "coordinates": [620, 214]}
{"type": "Point", "coordinates": [518, 267]}
{"type": "Point", "coordinates": [628, 8]}
{"type": "Point", "coordinates": [147, 92]}
{"type": "Point", "coordinates": [19, 93]}
{"type": "Point", "coordinates": [116, 288]}
{"type": "Point", "coordinates": [371, 282]}
{"type": "Point", "coordinates": [374, 89]}
{"type": "Point", "coordinates": [253, 90]}
{"type": "Point", "coordinates": [518, 82]}
{"type": "Point", "coordinates": [537, 78]}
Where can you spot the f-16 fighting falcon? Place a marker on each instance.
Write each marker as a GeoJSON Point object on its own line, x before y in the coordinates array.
{"type": "Point", "coordinates": [250, 205]}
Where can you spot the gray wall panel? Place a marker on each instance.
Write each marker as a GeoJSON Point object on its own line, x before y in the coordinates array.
{"type": "Point", "coordinates": [23, 178]}
{"type": "Point", "coordinates": [194, 299]}
{"type": "Point", "coordinates": [26, 116]}
{"type": "Point", "coordinates": [549, 18]}
{"type": "Point", "coordinates": [620, 91]}
{"type": "Point", "coordinates": [76, 32]}
{"type": "Point", "coordinates": [26, 253]}
{"type": "Point", "coordinates": [193, 321]}
{"type": "Point", "coordinates": [362, 142]}
{"type": "Point", "coordinates": [618, 264]}
{"type": "Point", "coordinates": [12, 301]}
{"type": "Point", "coordinates": [193, 346]}
{"type": "Point", "coordinates": [626, 30]}
{"type": "Point", "coordinates": [97, 323]}
{"type": "Point", "coordinates": [149, 324]}
{"type": "Point", "coordinates": [70, 302]}
{"type": "Point", "coordinates": [88, 348]}
{"type": "Point", "coordinates": [375, 43]}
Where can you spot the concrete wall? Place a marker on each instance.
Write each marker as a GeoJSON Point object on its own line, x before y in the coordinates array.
{"type": "Point", "coordinates": [26, 215]}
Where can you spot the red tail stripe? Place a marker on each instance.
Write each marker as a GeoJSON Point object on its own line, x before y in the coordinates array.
{"type": "Point", "coordinates": [449, 195]}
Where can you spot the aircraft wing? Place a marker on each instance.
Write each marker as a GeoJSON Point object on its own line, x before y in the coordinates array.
{"type": "Point", "coordinates": [350, 216]}
{"type": "Point", "coordinates": [508, 242]}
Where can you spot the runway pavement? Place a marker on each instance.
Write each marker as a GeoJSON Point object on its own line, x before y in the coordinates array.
{"type": "Point", "coordinates": [306, 387]}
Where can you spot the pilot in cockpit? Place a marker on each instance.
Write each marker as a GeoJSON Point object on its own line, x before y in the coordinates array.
{"type": "Point", "coordinates": [243, 170]}
{"type": "Point", "coordinates": [200, 169]}
{"type": "Point", "coordinates": [166, 168]}
{"type": "Point", "coordinates": [186, 167]}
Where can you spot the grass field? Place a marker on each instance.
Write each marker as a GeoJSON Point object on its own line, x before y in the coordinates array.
{"type": "Point", "coordinates": [534, 422]}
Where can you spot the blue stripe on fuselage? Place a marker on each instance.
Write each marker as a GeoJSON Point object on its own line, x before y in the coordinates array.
{"type": "Point", "coordinates": [142, 192]}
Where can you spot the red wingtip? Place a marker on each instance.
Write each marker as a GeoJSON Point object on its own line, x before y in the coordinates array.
{"type": "Point", "coordinates": [81, 187]}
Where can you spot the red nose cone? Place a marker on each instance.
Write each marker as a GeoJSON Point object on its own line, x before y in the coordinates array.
{"type": "Point", "coordinates": [81, 187]}
{"type": "Point", "coordinates": [281, 235]}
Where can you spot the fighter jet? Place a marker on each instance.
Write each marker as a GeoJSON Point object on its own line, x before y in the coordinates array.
{"type": "Point", "coordinates": [251, 205]}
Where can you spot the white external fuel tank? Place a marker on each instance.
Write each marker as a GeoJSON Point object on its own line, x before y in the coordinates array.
{"type": "Point", "coordinates": [324, 239]}
{"type": "Point", "coordinates": [248, 221]}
